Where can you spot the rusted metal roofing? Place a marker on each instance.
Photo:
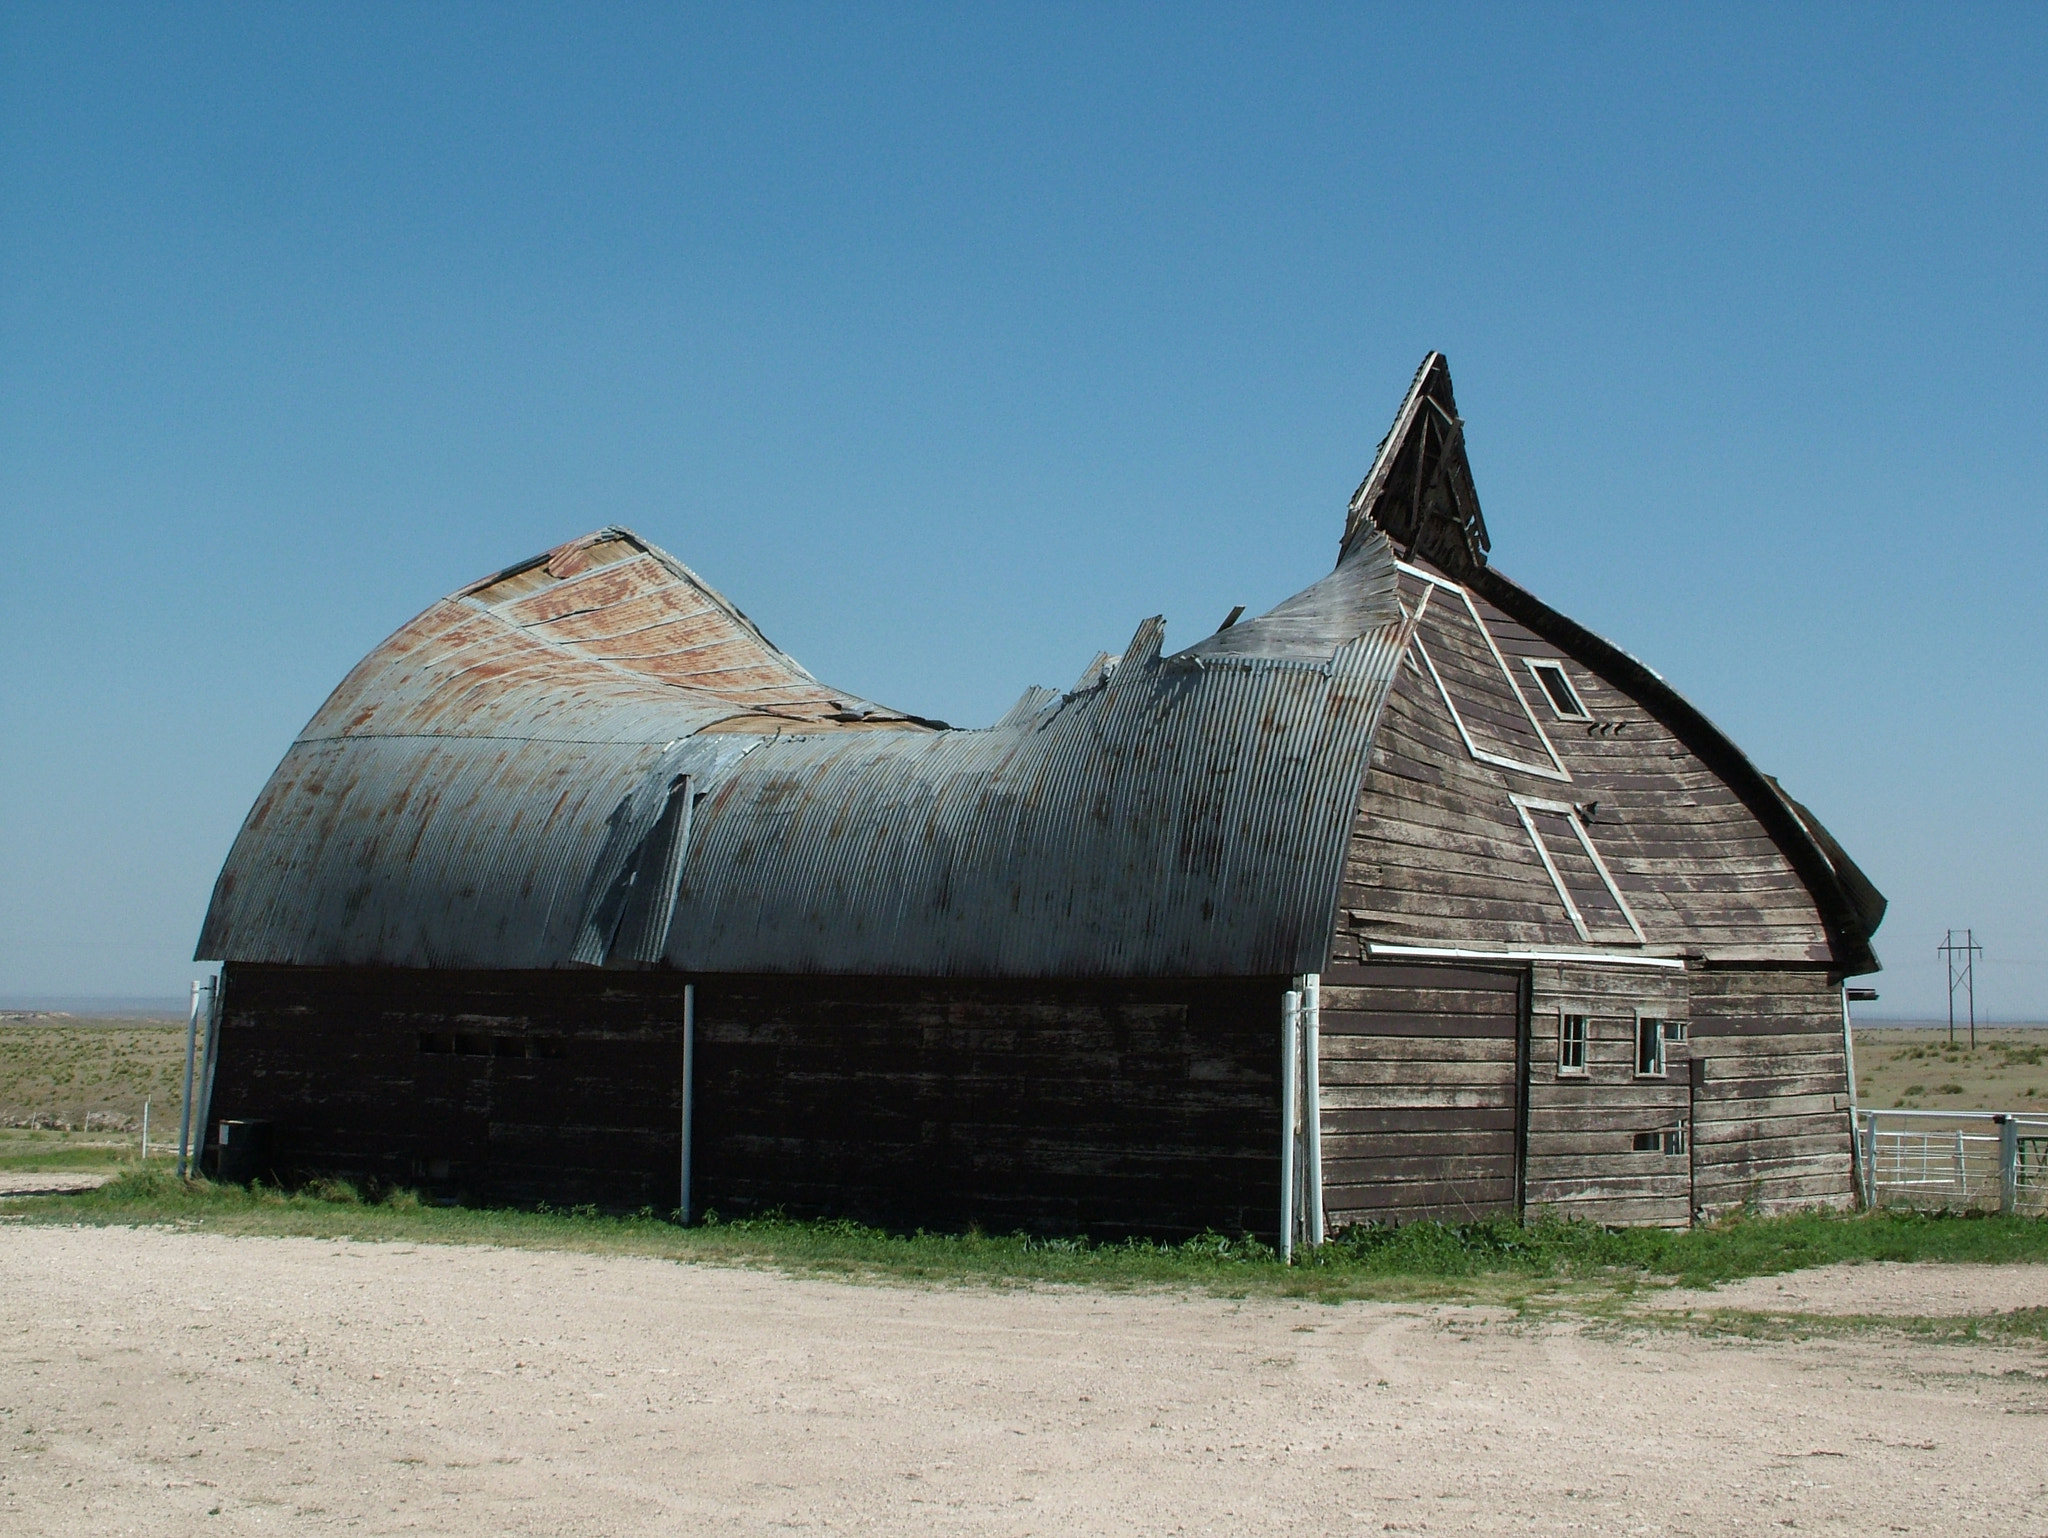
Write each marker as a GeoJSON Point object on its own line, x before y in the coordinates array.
{"type": "Point", "coordinates": [593, 758]}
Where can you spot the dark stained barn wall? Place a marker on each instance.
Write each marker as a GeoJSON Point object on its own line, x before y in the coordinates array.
{"type": "Point", "coordinates": [1100, 1108]}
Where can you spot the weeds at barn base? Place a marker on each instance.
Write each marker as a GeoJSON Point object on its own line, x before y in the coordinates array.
{"type": "Point", "coordinates": [1500, 1262]}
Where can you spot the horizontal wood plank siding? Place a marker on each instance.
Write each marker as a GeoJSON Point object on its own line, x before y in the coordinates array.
{"type": "Point", "coordinates": [1106, 1108]}
{"type": "Point", "coordinates": [1419, 1070]}
{"type": "Point", "coordinates": [1438, 853]}
{"type": "Point", "coordinates": [1581, 1159]}
{"type": "Point", "coordinates": [1772, 1127]}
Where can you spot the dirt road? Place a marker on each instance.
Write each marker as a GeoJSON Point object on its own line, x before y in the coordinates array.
{"type": "Point", "coordinates": [164, 1383]}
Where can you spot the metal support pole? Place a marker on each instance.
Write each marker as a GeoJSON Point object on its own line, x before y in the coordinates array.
{"type": "Point", "coordinates": [185, 1113]}
{"type": "Point", "coordinates": [1312, 1103]}
{"type": "Point", "coordinates": [209, 1066]}
{"type": "Point", "coordinates": [2008, 1164]}
{"type": "Point", "coordinates": [1870, 1159]}
{"type": "Point", "coordinates": [1849, 1067]}
{"type": "Point", "coordinates": [145, 1126]}
{"type": "Point", "coordinates": [683, 1210]}
{"type": "Point", "coordinates": [1290, 1115]}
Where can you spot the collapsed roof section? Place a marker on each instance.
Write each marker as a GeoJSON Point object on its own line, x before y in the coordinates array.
{"type": "Point", "coordinates": [595, 759]}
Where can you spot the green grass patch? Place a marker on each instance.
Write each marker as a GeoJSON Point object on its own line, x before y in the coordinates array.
{"type": "Point", "coordinates": [2013, 1327]}
{"type": "Point", "coordinates": [1496, 1261]}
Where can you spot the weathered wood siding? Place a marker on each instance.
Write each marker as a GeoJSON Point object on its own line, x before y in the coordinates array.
{"type": "Point", "coordinates": [1581, 1159]}
{"type": "Point", "coordinates": [1771, 1116]}
{"type": "Point", "coordinates": [1421, 1077]}
{"type": "Point", "coordinates": [1439, 854]}
{"type": "Point", "coordinates": [589, 1111]}
{"type": "Point", "coordinates": [1105, 1108]}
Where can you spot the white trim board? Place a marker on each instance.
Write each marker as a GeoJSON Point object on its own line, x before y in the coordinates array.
{"type": "Point", "coordinates": [1467, 953]}
{"type": "Point", "coordinates": [1524, 805]}
{"type": "Point", "coordinates": [1556, 769]}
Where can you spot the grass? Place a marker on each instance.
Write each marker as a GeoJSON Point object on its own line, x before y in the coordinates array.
{"type": "Point", "coordinates": [1494, 1261]}
{"type": "Point", "coordinates": [65, 1071]}
{"type": "Point", "coordinates": [1920, 1070]}
{"type": "Point", "coordinates": [23, 1151]}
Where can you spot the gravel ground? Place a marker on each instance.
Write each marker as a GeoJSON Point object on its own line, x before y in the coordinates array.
{"type": "Point", "coordinates": [168, 1383]}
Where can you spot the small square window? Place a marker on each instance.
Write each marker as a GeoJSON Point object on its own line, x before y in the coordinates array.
{"type": "Point", "coordinates": [1649, 1047]}
{"type": "Point", "coordinates": [1674, 1030]}
{"type": "Point", "coordinates": [1647, 1142]}
{"type": "Point", "coordinates": [1671, 1140]}
{"type": "Point", "coordinates": [472, 1046]}
{"type": "Point", "coordinates": [1571, 1046]}
{"type": "Point", "coordinates": [1557, 688]}
{"type": "Point", "coordinates": [436, 1041]}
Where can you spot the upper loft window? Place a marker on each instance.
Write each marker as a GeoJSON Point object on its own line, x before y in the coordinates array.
{"type": "Point", "coordinates": [1456, 651]}
{"type": "Point", "coordinates": [1591, 896]}
{"type": "Point", "coordinates": [1557, 688]}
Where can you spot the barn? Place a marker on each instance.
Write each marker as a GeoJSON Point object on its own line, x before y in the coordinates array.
{"type": "Point", "coordinates": [1410, 898]}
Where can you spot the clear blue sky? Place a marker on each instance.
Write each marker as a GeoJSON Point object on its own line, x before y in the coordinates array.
{"type": "Point", "coordinates": [951, 342]}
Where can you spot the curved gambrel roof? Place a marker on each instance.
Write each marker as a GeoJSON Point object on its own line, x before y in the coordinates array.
{"type": "Point", "coordinates": [593, 758]}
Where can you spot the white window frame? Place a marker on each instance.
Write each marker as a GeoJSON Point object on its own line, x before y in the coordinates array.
{"type": "Point", "coordinates": [1584, 1016]}
{"type": "Point", "coordinates": [1524, 805]}
{"type": "Point", "coordinates": [1556, 769]}
{"type": "Point", "coordinates": [1536, 667]}
{"type": "Point", "coordinates": [1646, 1017]}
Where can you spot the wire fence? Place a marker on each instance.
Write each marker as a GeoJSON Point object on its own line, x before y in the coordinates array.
{"type": "Point", "coordinates": [1963, 1161]}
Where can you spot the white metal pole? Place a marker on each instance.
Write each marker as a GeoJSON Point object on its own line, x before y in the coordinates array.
{"type": "Point", "coordinates": [145, 1126]}
{"type": "Point", "coordinates": [1312, 1098]}
{"type": "Point", "coordinates": [1290, 1114]}
{"type": "Point", "coordinates": [209, 1066]}
{"type": "Point", "coordinates": [1849, 1066]}
{"type": "Point", "coordinates": [185, 1113]}
{"type": "Point", "coordinates": [689, 1092]}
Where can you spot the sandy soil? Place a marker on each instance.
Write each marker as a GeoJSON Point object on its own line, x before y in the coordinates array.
{"type": "Point", "coordinates": [1885, 1287]}
{"type": "Point", "coordinates": [167, 1383]}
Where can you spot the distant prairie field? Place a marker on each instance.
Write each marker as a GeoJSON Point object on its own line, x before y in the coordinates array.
{"type": "Point", "coordinates": [86, 1074]}
{"type": "Point", "coordinates": [1917, 1069]}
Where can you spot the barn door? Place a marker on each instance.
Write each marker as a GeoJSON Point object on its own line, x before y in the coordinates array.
{"type": "Point", "coordinates": [1421, 1090]}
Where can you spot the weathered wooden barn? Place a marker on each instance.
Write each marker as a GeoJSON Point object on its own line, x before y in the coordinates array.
{"type": "Point", "coordinates": [1408, 898]}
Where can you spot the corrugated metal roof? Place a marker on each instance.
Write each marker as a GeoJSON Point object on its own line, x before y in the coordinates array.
{"type": "Point", "coordinates": [593, 758]}
{"type": "Point", "coordinates": [488, 788]}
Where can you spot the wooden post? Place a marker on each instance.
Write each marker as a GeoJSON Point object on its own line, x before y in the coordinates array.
{"type": "Point", "coordinates": [1290, 1115]}
{"type": "Point", "coordinates": [683, 1211]}
{"type": "Point", "coordinates": [185, 1114]}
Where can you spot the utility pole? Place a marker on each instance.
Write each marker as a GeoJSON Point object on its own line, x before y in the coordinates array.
{"type": "Point", "coordinates": [1962, 973]}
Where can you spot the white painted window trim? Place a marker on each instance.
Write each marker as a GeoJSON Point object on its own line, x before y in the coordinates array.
{"type": "Point", "coordinates": [1524, 805]}
{"type": "Point", "coordinates": [1557, 770]}
{"type": "Point", "coordinates": [1583, 1013]}
{"type": "Point", "coordinates": [1536, 665]}
{"type": "Point", "coordinates": [1663, 1068]}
